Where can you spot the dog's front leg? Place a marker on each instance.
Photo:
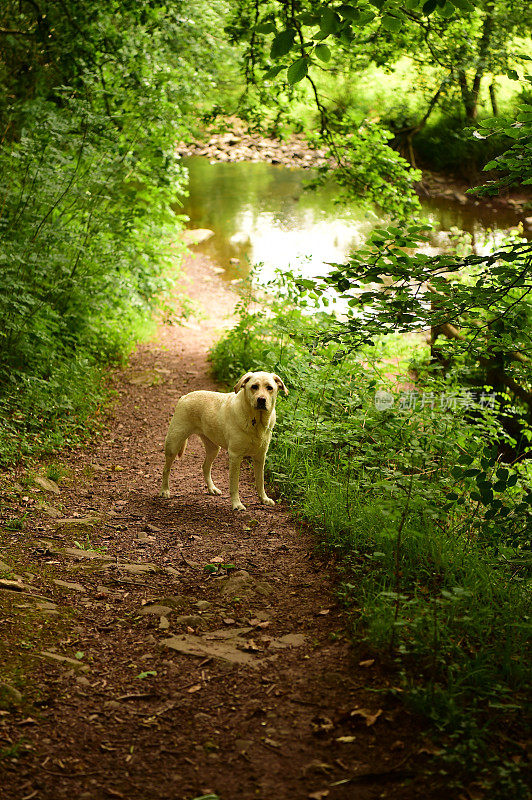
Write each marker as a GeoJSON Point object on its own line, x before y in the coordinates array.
{"type": "Point", "coordinates": [234, 475]}
{"type": "Point", "coordinates": [258, 468]}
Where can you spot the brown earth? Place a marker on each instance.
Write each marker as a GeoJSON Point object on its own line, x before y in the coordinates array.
{"type": "Point", "coordinates": [131, 671]}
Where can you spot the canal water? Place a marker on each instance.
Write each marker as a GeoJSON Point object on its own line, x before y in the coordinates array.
{"type": "Point", "coordinates": [261, 213]}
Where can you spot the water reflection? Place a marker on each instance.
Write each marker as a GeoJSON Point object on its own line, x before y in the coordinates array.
{"type": "Point", "coordinates": [261, 213]}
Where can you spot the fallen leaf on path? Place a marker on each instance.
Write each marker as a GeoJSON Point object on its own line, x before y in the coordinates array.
{"type": "Point", "coordinates": [318, 766]}
{"type": "Point", "coordinates": [398, 745]}
{"type": "Point", "coordinates": [368, 663]}
{"type": "Point", "coordinates": [318, 795]}
{"type": "Point", "coordinates": [195, 688]}
{"type": "Point", "coordinates": [370, 717]}
{"type": "Point", "coordinates": [271, 742]}
{"type": "Point", "coordinates": [251, 646]}
{"type": "Point", "coordinates": [346, 739]}
{"type": "Point", "coordinates": [324, 613]}
{"type": "Point", "coordinates": [321, 725]}
{"type": "Point", "coordinates": [150, 672]}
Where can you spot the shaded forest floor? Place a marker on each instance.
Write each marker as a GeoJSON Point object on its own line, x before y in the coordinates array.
{"type": "Point", "coordinates": [174, 648]}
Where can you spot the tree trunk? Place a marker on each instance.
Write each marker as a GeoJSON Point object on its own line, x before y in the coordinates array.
{"type": "Point", "coordinates": [493, 98]}
{"type": "Point", "coordinates": [470, 95]}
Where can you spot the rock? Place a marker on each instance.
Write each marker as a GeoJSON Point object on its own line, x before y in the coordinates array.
{"type": "Point", "coordinates": [240, 583]}
{"type": "Point", "coordinates": [202, 605]}
{"type": "Point", "coordinates": [164, 624]}
{"type": "Point", "coordinates": [79, 522]}
{"type": "Point", "coordinates": [174, 601]}
{"type": "Point", "coordinates": [50, 511]}
{"type": "Point", "coordinates": [9, 696]}
{"type": "Point", "coordinates": [288, 640]}
{"type": "Point", "coordinates": [76, 552]}
{"type": "Point", "coordinates": [153, 608]}
{"type": "Point", "coordinates": [47, 484]}
{"type": "Point", "coordinates": [175, 573]}
{"type": "Point", "coordinates": [64, 660]}
{"type": "Point", "coordinates": [14, 586]}
{"type": "Point", "coordinates": [137, 569]}
{"type": "Point", "coordinates": [200, 647]}
{"type": "Point", "coordinates": [193, 620]}
{"type": "Point", "coordinates": [46, 605]}
{"type": "Point", "coordinates": [5, 568]}
{"type": "Point", "coordinates": [75, 587]}
{"type": "Point", "coordinates": [197, 235]}
{"type": "Point", "coordinates": [145, 377]}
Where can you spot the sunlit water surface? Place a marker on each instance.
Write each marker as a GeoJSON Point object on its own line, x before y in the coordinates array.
{"type": "Point", "coordinates": [262, 214]}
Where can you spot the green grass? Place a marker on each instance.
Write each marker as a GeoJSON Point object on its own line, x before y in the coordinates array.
{"type": "Point", "coordinates": [423, 583]}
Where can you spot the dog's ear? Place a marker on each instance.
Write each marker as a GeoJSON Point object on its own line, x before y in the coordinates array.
{"type": "Point", "coordinates": [280, 383]}
{"type": "Point", "coordinates": [242, 381]}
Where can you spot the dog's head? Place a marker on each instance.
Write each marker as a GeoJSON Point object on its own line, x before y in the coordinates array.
{"type": "Point", "coordinates": [261, 389]}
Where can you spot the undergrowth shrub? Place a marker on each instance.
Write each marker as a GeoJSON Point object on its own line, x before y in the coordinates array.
{"type": "Point", "coordinates": [376, 477]}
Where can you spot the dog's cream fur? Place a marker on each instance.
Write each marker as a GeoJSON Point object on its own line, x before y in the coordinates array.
{"type": "Point", "coordinates": [240, 422]}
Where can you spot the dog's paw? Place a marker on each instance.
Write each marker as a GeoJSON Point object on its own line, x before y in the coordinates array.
{"type": "Point", "coordinates": [214, 490]}
{"type": "Point", "coordinates": [164, 493]}
{"type": "Point", "coordinates": [267, 501]}
{"type": "Point", "coordinates": [239, 506]}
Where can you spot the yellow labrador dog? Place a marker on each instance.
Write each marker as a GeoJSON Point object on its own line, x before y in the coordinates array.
{"type": "Point", "coordinates": [241, 423]}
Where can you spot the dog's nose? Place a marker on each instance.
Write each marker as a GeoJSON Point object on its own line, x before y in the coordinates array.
{"type": "Point", "coordinates": [261, 402]}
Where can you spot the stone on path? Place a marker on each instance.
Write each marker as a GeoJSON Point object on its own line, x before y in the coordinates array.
{"type": "Point", "coordinates": [64, 660]}
{"type": "Point", "coordinates": [75, 587]}
{"type": "Point", "coordinates": [241, 583]}
{"type": "Point", "coordinates": [197, 235]}
{"type": "Point", "coordinates": [47, 484]}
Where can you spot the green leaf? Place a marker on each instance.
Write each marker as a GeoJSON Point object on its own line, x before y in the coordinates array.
{"type": "Point", "coordinates": [330, 21]}
{"type": "Point", "coordinates": [265, 27]}
{"type": "Point", "coordinates": [392, 24]}
{"type": "Point", "coordinates": [365, 17]}
{"type": "Point", "coordinates": [446, 11]}
{"type": "Point", "coordinates": [298, 70]}
{"type": "Point", "coordinates": [272, 72]}
{"type": "Point", "coordinates": [322, 52]}
{"type": "Point", "coordinates": [429, 6]}
{"type": "Point", "coordinates": [282, 44]}
{"type": "Point", "coordinates": [463, 5]}
{"type": "Point", "coordinates": [348, 12]}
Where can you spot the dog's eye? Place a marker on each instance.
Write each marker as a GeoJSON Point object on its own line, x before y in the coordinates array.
{"type": "Point", "coordinates": [270, 388]}
{"type": "Point", "coordinates": [255, 387]}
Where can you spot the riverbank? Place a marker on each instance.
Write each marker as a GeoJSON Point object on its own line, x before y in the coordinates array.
{"type": "Point", "coordinates": [236, 142]}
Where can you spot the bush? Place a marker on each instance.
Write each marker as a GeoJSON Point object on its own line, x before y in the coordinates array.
{"type": "Point", "coordinates": [422, 582]}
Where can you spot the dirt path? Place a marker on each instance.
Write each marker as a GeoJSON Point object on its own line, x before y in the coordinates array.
{"type": "Point", "coordinates": [270, 701]}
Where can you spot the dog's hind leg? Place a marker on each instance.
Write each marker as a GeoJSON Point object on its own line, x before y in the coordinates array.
{"type": "Point", "coordinates": [174, 446]}
{"type": "Point", "coordinates": [211, 451]}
